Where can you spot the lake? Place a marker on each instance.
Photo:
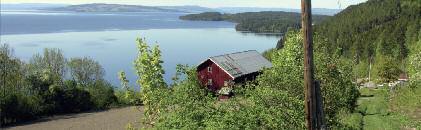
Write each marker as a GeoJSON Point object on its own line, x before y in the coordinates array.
{"type": "Point", "coordinates": [114, 47]}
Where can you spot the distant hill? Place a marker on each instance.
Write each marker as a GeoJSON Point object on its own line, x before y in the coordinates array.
{"type": "Point", "coordinates": [259, 22]}
{"type": "Point", "coordinates": [188, 8]}
{"type": "Point", "coordinates": [99, 7]}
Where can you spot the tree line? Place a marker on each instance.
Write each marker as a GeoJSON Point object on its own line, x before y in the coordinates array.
{"type": "Point", "coordinates": [258, 22]}
{"type": "Point", "coordinates": [50, 84]}
{"type": "Point", "coordinates": [377, 33]}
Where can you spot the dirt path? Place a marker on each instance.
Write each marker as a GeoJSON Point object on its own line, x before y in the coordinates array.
{"type": "Point", "coordinates": [113, 119]}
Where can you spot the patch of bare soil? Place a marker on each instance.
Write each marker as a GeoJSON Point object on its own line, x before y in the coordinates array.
{"type": "Point", "coordinates": [113, 119]}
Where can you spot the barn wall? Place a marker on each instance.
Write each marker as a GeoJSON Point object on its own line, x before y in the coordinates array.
{"type": "Point", "coordinates": [217, 75]}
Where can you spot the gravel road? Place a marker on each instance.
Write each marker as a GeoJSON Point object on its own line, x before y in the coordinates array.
{"type": "Point", "coordinates": [113, 119]}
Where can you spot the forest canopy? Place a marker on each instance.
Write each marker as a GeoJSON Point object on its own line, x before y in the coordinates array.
{"type": "Point", "coordinates": [259, 22]}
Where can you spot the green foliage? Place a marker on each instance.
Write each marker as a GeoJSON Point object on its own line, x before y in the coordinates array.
{"type": "Point", "coordinates": [188, 105]}
{"type": "Point", "coordinates": [335, 75]}
{"type": "Point", "coordinates": [127, 96]}
{"type": "Point", "coordinates": [260, 22]}
{"type": "Point", "coordinates": [206, 16]}
{"type": "Point", "coordinates": [387, 70]}
{"type": "Point", "coordinates": [85, 70]}
{"type": "Point", "coordinates": [274, 101]}
{"type": "Point", "coordinates": [407, 101]}
{"type": "Point", "coordinates": [381, 109]}
{"type": "Point", "coordinates": [69, 100]}
{"type": "Point", "coordinates": [102, 94]}
{"type": "Point", "coordinates": [17, 107]}
{"type": "Point", "coordinates": [28, 91]}
{"type": "Point", "coordinates": [52, 61]}
{"type": "Point", "coordinates": [377, 122]}
{"type": "Point", "coordinates": [414, 66]}
{"type": "Point", "coordinates": [268, 53]}
{"type": "Point", "coordinates": [153, 88]}
{"type": "Point", "coordinates": [376, 31]}
{"type": "Point", "coordinates": [351, 121]}
{"type": "Point", "coordinates": [374, 105]}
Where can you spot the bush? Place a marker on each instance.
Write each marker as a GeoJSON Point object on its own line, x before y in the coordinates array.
{"type": "Point", "coordinates": [17, 107]}
{"type": "Point", "coordinates": [102, 94]}
{"type": "Point", "coordinates": [39, 88]}
{"type": "Point", "coordinates": [71, 100]}
{"type": "Point", "coordinates": [335, 75]}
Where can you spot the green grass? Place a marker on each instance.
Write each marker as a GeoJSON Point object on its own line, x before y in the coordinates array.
{"type": "Point", "coordinates": [352, 120]}
{"type": "Point", "coordinates": [381, 122]}
{"type": "Point", "coordinates": [380, 110]}
{"type": "Point", "coordinates": [377, 104]}
{"type": "Point", "coordinates": [407, 101]}
{"type": "Point", "coordinates": [366, 92]}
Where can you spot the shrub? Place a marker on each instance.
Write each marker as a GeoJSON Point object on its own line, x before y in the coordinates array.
{"type": "Point", "coordinates": [102, 94]}
{"type": "Point", "coordinates": [17, 107]}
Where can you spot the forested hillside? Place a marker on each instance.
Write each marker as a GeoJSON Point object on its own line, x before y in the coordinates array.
{"type": "Point", "coordinates": [381, 32]}
{"type": "Point", "coordinates": [259, 22]}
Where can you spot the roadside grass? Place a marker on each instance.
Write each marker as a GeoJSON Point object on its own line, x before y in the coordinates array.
{"type": "Point", "coordinates": [381, 122]}
{"type": "Point", "coordinates": [377, 109]}
{"type": "Point", "coordinates": [367, 92]}
{"type": "Point", "coordinates": [352, 121]}
{"type": "Point", "coordinates": [407, 101]}
{"type": "Point", "coordinates": [375, 104]}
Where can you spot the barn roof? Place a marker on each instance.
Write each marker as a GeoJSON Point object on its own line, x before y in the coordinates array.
{"type": "Point", "coordinates": [241, 63]}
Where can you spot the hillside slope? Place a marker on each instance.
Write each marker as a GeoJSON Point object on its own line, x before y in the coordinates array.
{"type": "Point", "coordinates": [378, 31]}
{"type": "Point", "coordinates": [259, 22]}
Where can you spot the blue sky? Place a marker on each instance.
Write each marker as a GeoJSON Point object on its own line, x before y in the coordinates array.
{"type": "Point", "coordinates": [334, 4]}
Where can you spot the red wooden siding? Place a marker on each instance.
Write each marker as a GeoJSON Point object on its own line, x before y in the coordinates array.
{"type": "Point", "coordinates": [217, 75]}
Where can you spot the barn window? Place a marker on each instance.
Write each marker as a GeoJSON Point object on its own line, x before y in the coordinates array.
{"type": "Point", "coordinates": [209, 81]}
{"type": "Point", "coordinates": [209, 69]}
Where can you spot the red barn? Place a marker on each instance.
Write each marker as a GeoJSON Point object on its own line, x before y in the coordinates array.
{"type": "Point", "coordinates": [225, 70]}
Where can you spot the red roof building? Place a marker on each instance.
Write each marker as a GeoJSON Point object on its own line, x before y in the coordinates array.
{"type": "Point", "coordinates": [226, 70]}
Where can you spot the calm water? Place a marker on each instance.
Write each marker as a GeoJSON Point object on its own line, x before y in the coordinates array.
{"type": "Point", "coordinates": [116, 50]}
{"type": "Point", "coordinates": [24, 22]}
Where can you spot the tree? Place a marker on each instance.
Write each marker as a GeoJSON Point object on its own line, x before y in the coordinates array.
{"type": "Point", "coordinates": [85, 70]}
{"type": "Point", "coordinates": [153, 88]}
{"type": "Point", "coordinates": [10, 69]}
{"type": "Point", "coordinates": [127, 96]}
{"type": "Point", "coordinates": [52, 62]}
{"type": "Point", "coordinates": [387, 69]}
{"type": "Point", "coordinates": [414, 67]}
{"type": "Point", "coordinates": [286, 75]}
{"type": "Point", "coordinates": [17, 101]}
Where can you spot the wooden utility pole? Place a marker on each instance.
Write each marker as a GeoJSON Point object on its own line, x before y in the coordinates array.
{"type": "Point", "coordinates": [313, 103]}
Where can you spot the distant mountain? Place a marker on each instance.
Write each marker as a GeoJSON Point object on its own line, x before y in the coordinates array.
{"type": "Point", "coordinates": [100, 7]}
{"type": "Point", "coordinates": [233, 10]}
{"type": "Point", "coordinates": [189, 8]}
{"type": "Point", "coordinates": [29, 6]}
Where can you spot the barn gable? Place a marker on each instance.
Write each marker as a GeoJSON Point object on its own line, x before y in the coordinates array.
{"type": "Point", "coordinates": [240, 63]}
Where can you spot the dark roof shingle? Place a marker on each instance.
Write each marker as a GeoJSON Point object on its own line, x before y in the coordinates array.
{"type": "Point", "coordinates": [241, 63]}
